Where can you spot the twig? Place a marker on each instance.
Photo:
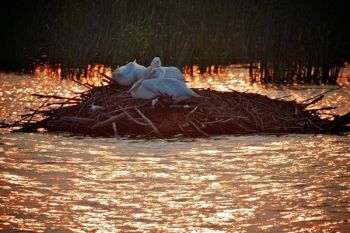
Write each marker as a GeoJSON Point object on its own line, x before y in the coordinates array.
{"type": "Point", "coordinates": [114, 125]}
{"type": "Point", "coordinates": [149, 122]}
{"type": "Point", "coordinates": [321, 109]}
{"type": "Point", "coordinates": [126, 108]}
{"type": "Point", "coordinates": [191, 112]}
{"type": "Point", "coordinates": [56, 97]}
{"type": "Point", "coordinates": [80, 120]}
{"type": "Point", "coordinates": [282, 97]}
{"type": "Point", "coordinates": [88, 86]}
{"type": "Point", "coordinates": [108, 121]}
{"type": "Point", "coordinates": [222, 121]}
{"type": "Point", "coordinates": [181, 128]}
{"type": "Point", "coordinates": [84, 105]}
{"type": "Point", "coordinates": [180, 106]}
{"type": "Point", "coordinates": [325, 92]}
{"type": "Point", "coordinates": [42, 105]}
{"type": "Point", "coordinates": [68, 102]}
{"type": "Point", "coordinates": [314, 101]}
{"type": "Point", "coordinates": [106, 76]}
{"type": "Point", "coordinates": [198, 129]}
{"type": "Point", "coordinates": [134, 120]}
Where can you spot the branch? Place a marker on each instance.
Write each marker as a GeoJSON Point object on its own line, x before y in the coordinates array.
{"type": "Point", "coordinates": [155, 129]}
{"type": "Point", "coordinates": [108, 121]}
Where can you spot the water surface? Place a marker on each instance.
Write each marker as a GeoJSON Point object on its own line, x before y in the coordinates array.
{"type": "Point", "coordinates": [258, 183]}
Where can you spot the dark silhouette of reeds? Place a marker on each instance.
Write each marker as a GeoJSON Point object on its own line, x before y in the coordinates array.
{"type": "Point", "coordinates": [282, 40]}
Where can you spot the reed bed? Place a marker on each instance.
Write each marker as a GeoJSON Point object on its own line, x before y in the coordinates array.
{"type": "Point", "coordinates": [110, 111]}
{"type": "Point", "coordinates": [283, 41]}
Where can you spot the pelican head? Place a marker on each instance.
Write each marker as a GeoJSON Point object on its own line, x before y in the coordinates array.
{"type": "Point", "coordinates": [158, 72]}
{"type": "Point", "coordinates": [156, 62]}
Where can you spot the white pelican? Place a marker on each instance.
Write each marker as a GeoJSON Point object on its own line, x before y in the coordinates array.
{"type": "Point", "coordinates": [156, 84]}
{"type": "Point", "coordinates": [127, 75]}
{"type": "Point", "coordinates": [170, 71]}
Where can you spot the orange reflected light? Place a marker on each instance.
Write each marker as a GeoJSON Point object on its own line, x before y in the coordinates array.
{"type": "Point", "coordinates": [91, 75]}
{"type": "Point", "coordinates": [209, 70]}
{"type": "Point", "coordinates": [45, 71]}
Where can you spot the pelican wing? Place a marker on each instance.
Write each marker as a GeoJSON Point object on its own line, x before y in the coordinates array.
{"type": "Point", "coordinates": [152, 88]}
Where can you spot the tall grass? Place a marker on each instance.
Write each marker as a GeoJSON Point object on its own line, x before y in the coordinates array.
{"type": "Point", "coordinates": [284, 41]}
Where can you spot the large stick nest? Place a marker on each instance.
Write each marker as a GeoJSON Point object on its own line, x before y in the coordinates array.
{"type": "Point", "coordinates": [111, 111]}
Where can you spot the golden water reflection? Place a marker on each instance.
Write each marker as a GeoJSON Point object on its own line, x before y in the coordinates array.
{"type": "Point", "coordinates": [222, 184]}
{"type": "Point", "coordinates": [64, 183]}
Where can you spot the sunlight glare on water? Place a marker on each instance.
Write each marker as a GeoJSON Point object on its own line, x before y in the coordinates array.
{"type": "Point", "coordinates": [259, 183]}
{"type": "Point", "coordinates": [221, 184]}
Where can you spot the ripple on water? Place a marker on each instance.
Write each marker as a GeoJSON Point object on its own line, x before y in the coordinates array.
{"type": "Point", "coordinates": [58, 182]}
{"type": "Point", "coordinates": [247, 183]}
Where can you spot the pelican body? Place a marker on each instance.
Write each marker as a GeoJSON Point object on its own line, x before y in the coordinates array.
{"type": "Point", "coordinates": [127, 75]}
{"type": "Point", "coordinates": [130, 73]}
{"type": "Point", "coordinates": [169, 71]}
{"type": "Point", "coordinates": [151, 88]}
{"type": "Point", "coordinates": [156, 84]}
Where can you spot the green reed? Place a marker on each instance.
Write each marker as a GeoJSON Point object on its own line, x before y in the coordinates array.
{"type": "Point", "coordinates": [284, 41]}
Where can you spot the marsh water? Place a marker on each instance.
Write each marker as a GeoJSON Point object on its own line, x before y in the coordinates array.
{"type": "Point", "coordinates": [58, 182]}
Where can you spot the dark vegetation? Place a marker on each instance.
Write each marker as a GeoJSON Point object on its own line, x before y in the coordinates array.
{"type": "Point", "coordinates": [279, 40]}
{"type": "Point", "coordinates": [110, 111]}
